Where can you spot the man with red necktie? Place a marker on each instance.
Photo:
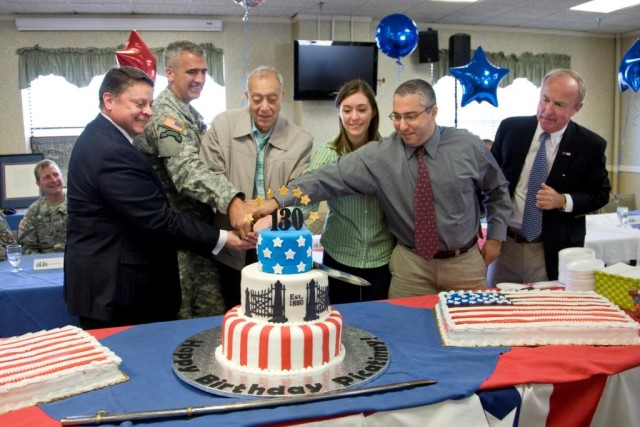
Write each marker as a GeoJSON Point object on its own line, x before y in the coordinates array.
{"type": "Point", "coordinates": [436, 228]}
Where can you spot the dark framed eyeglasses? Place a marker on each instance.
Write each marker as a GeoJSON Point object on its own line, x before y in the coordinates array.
{"type": "Point", "coordinates": [409, 117]}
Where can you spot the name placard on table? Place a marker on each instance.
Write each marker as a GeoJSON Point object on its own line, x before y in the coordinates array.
{"type": "Point", "coordinates": [48, 263]}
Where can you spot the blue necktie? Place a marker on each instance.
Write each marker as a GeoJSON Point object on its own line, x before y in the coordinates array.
{"type": "Point", "coordinates": [532, 217]}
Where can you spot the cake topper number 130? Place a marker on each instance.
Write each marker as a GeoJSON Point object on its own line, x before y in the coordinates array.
{"type": "Point", "coordinates": [289, 218]}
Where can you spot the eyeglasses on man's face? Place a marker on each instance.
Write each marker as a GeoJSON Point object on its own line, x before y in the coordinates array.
{"type": "Point", "coordinates": [409, 117]}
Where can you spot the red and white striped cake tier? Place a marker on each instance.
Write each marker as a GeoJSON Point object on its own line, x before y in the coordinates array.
{"type": "Point", "coordinates": [277, 348]}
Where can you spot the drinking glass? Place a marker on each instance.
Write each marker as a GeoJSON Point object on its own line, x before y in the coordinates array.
{"type": "Point", "coordinates": [14, 255]}
{"type": "Point", "coordinates": [623, 216]}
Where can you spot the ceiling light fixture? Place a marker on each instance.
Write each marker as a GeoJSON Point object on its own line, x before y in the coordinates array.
{"type": "Point", "coordinates": [605, 6]}
{"type": "Point", "coordinates": [72, 23]}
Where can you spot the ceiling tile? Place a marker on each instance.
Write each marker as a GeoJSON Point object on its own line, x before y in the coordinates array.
{"type": "Point", "coordinates": [545, 14]}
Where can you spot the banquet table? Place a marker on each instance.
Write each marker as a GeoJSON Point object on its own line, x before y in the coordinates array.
{"type": "Point", "coordinates": [610, 242]}
{"type": "Point", "coordinates": [547, 385]}
{"type": "Point", "coordinates": [32, 300]}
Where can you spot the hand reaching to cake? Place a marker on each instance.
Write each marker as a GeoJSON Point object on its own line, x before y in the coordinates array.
{"type": "Point", "coordinates": [242, 213]}
{"type": "Point", "coordinates": [264, 207]}
{"type": "Point", "coordinates": [238, 211]}
{"type": "Point", "coordinates": [234, 241]}
{"type": "Point", "coordinates": [263, 223]}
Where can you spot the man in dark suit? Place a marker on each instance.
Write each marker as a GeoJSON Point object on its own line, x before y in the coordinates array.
{"type": "Point", "coordinates": [120, 259]}
{"type": "Point", "coordinates": [576, 180]}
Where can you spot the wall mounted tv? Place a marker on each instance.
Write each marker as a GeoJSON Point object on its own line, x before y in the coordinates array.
{"type": "Point", "coordinates": [321, 67]}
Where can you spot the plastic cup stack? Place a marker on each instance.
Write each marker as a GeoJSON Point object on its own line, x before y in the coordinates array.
{"type": "Point", "coordinates": [567, 255]}
{"type": "Point", "coordinates": [580, 275]}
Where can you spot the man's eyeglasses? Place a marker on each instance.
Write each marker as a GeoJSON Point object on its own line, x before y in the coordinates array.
{"type": "Point", "coordinates": [408, 117]}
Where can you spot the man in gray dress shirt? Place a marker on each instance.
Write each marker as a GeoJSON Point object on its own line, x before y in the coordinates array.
{"type": "Point", "coordinates": [459, 164]}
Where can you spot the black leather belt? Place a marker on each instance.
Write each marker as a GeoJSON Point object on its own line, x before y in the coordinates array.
{"type": "Point", "coordinates": [519, 238]}
{"type": "Point", "coordinates": [451, 254]}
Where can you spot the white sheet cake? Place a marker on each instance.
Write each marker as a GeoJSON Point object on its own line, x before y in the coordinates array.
{"type": "Point", "coordinates": [532, 317]}
{"type": "Point", "coordinates": [49, 365]}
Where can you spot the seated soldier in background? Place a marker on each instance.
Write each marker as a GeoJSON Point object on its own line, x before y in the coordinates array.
{"type": "Point", "coordinates": [6, 238]}
{"type": "Point", "coordinates": [44, 227]}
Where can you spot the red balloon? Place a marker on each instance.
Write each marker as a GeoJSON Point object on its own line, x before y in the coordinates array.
{"type": "Point", "coordinates": [137, 54]}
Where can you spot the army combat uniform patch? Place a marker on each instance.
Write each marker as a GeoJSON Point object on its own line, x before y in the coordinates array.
{"type": "Point", "coordinates": [173, 124]}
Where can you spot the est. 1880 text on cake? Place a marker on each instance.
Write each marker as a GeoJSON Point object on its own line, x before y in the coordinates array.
{"type": "Point", "coordinates": [530, 318]}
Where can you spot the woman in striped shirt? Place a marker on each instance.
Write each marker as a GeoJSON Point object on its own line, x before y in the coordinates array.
{"type": "Point", "coordinates": [355, 236]}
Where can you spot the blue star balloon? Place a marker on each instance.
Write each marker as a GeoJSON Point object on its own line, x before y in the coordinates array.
{"type": "Point", "coordinates": [479, 79]}
{"type": "Point", "coordinates": [629, 71]}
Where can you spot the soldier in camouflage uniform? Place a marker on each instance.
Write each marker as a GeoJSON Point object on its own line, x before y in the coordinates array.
{"type": "Point", "coordinates": [44, 227]}
{"type": "Point", "coordinates": [6, 237]}
{"type": "Point", "coordinates": [172, 143]}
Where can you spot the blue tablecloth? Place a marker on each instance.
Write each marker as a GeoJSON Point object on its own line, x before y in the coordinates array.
{"type": "Point", "coordinates": [31, 300]}
{"type": "Point", "coordinates": [411, 335]}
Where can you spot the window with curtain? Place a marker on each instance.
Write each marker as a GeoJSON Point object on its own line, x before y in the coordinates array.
{"type": "Point", "coordinates": [520, 98]}
{"type": "Point", "coordinates": [517, 93]}
{"type": "Point", "coordinates": [60, 86]}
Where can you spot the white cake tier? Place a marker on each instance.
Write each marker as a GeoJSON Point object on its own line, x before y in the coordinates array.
{"type": "Point", "coordinates": [535, 317]}
{"type": "Point", "coordinates": [251, 346]}
{"type": "Point", "coordinates": [278, 298]}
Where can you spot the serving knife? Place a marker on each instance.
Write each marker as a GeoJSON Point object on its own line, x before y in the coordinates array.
{"type": "Point", "coordinates": [341, 275]}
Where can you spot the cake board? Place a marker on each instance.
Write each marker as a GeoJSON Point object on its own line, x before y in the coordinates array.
{"type": "Point", "coordinates": [366, 358]}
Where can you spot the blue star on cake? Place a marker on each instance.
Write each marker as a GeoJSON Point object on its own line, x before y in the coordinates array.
{"type": "Point", "coordinates": [285, 251]}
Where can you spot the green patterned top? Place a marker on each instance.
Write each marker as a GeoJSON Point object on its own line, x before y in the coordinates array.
{"type": "Point", "coordinates": [355, 231]}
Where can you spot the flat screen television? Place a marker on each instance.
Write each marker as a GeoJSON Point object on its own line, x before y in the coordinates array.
{"type": "Point", "coordinates": [321, 67]}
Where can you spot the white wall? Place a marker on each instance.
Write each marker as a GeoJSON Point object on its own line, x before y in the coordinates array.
{"type": "Point", "coordinates": [271, 42]}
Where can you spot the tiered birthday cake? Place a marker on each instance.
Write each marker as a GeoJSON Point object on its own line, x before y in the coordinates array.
{"type": "Point", "coordinates": [49, 365]}
{"type": "Point", "coordinates": [284, 324]}
{"type": "Point", "coordinates": [529, 318]}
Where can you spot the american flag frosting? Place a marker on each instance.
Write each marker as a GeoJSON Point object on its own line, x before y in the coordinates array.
{"type": "Point", "coordinates": [532, 317]}
{"type": "Point", "coordinates": [476, 298]}
{"type": "Point", "coordinates": [534, 307]}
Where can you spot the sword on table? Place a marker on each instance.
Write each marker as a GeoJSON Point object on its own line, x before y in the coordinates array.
{"type": "Point", "coordinates": [106, 417]}
{"type": "Point", "coordinates": [341, 275]}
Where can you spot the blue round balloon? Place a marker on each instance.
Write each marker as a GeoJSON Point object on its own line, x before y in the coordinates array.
{"type": "Point", "coordinates": [397, 35]}
{"type": "Point", "coordinates": [629, 70]}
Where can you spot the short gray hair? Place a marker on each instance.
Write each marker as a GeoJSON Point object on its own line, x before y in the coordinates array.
{"type": "Point", "coordinates": [174, 49]}
{"type": "Point", "coordinates": [419, 87]}
{"type": "Point", "coordinates": [564, 72]}
{"type": "Point", "coordinates": [263, 70]}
